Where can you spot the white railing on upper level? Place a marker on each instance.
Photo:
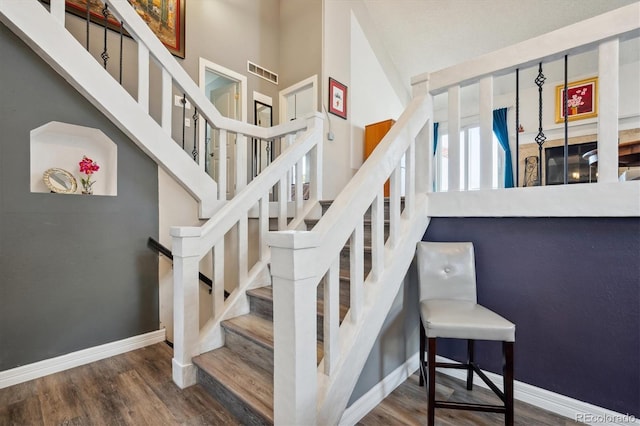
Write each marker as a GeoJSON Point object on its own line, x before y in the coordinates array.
{"type": "Point", "coordinates": [191, 244]}
{"type": "Point", "coordinates": [44, 31]}
{"type": "Point", "coordinates": [601, 34]}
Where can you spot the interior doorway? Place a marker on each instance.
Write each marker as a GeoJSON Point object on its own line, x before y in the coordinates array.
{"type": "Point", "coordinates": [226, 90]}
{"type": "Point", "coordinates": [262, 150]}
{"type": "Point", "coordinates": [298, 101]}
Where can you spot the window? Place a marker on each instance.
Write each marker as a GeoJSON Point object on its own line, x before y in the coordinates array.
{"type": "Point", "coordinates": [469, 160]}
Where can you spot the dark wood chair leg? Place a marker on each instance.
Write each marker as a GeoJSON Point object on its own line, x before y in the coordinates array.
{"type": "Point", "coordinates": [470, 360]}
{"type": "Point", "coordinates": [422, 349]}
{"type": "Point", "coordinates": [507, 349]}
{"type": "Point", "coordinates": [431, 382]}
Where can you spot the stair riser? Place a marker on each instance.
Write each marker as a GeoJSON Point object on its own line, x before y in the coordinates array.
{"type": "Point", "coordinates": [367, 230]}
{"type": "Point", "coordinates": [345, 292]}
{"type": "Point", "coordinates": [249, 350]}
{"type": "Point", "coordinates": [345, 263]}
{"type": "Point", "coordinates": [230, 401]}
{"type": "Point", "coordinates": [326, 205]}
{"type": "Point", "coordinates": [261, 307]}
{"type": "Point", "coordinates": [264, 309]}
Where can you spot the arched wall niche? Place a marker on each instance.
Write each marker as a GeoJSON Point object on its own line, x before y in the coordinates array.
{"type": "Point", "coordinates": [62, 145]}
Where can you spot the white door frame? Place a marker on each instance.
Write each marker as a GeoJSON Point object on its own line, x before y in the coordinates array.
{"type": "Point", "coordinates": [205, 65]}
{"type": "Point", "coordinates": [282, 95]}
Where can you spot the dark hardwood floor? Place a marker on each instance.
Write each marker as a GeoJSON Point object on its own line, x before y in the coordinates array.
{"type": "Point", "coordinates": [136, 389]}
{"type": "Point", "coordinates": [407, 405]}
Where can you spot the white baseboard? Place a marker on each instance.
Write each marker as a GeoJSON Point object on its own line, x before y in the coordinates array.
{"type": "Point", "coordinates": [85, 356]}
{"type": "Point", "coordinates": [580, 411]}
{"type": "Point", "coordinates": [379, 392]}
{"type": "Point", "coordinates": [559, 404]}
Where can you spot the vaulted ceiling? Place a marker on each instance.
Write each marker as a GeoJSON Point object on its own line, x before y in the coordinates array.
{"type": "Point", "coordinates": [428, 35]}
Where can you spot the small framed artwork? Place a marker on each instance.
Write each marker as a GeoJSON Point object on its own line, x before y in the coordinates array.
{"type": "Point", "coordinates": [582, 100]}
{"type": "Point", "coordinates": [337, 98]}
{"type": "Point", "coordinates": [166, 19]}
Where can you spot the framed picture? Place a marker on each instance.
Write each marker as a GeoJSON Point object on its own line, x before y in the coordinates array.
{"type": "Point", "coordinates": [582, 100]}
{"type": "Point", "coordinates": [337, 98]}
{"type": "Point", "coordinates": [165, 18]}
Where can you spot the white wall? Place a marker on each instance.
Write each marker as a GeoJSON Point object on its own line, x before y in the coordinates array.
{"type": "Point", "coordinates": [373, 99]}
{"type": "Point", "coordinates": [349, 57]}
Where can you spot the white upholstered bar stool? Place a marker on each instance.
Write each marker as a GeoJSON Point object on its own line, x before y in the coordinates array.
{"type": "Point", "coordinates": [449, 309]}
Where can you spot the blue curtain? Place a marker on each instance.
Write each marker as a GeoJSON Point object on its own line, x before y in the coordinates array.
{"type": "Point", "coordinates": [502, 133]}
{"type": "Point", "coordinates": [435, 137]}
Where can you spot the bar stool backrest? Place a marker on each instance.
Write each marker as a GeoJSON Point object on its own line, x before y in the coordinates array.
{"type": "Point", "coordinates": [446, 271]}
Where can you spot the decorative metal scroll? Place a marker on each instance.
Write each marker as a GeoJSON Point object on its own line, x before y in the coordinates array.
{"type": "Point", "coordinates": [540, 137]}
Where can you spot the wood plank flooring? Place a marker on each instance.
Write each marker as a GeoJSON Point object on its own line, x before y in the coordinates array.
{"type": "Point", "coordinates": [407, 405]}
{"type": "Point", "coordinates": [136, 389]}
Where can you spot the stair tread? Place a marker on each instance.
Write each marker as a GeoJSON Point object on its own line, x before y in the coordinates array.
{"type": "Point", "coordinates": [251, 384]}
{"type": "Point", "coordinates": [265, 293]}
{"type": "Point", "coordinates": [252, 327]}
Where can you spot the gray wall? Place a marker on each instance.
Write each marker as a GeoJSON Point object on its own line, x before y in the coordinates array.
{"type": "Point", "coordinates": [572, 287]}
{"type": "Point", "coordinates": [230, 33]}
{"type": "Point", "coordinates": [300, 42]}
{"type": "Point", "coordinates": [398, 339]}
{"type": "Point", "coordinates": [75, 271]}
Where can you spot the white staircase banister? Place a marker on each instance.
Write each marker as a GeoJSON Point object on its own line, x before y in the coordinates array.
{"type": "Point", "coordinates": [357, 196]}
{"type": "Point", "coordinates": [141, 32]}
{"type": "Point", "coordinates": [216, 227]}
{"type": "Point", "coordinates": [301, 259]}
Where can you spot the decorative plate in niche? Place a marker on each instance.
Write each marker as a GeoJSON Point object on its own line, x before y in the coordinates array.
{"type": "Point", "coordinates": [60, 181]}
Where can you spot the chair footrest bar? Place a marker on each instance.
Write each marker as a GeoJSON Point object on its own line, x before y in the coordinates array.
{"type": "Point", "coordinates": [470, 406]}
{"type": "Point", "coordinates": [452, 365]}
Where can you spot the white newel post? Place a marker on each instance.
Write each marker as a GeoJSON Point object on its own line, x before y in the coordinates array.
{"type": "Point", "coordinates": [293, 255]}
{"type": "Point", "coordinates": [186, 261]}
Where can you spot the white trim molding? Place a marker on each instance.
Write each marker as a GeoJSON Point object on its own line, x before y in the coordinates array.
{"type": "Point", "coordinates": [74, 359]}
{"type": "Point", "coordinates": [574, 409]}
{"type": "Point", "coordinates": [559, 404]}
{"type": "Point", "coordinates": [379, 392]}
{"type": "Point", "coordinates": [619, 199]}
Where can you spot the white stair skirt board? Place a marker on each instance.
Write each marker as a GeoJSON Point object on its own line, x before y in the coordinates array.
{"type": "Point", "coordinates": [568, 407]}
{"type": "Point", "coordinates": [74, 359]}
{"type": "Point", "coordinates": [379, 392]}
{"type": "Point", "coordinates": [574, 409]}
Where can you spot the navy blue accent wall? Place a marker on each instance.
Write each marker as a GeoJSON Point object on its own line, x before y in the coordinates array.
{"type": "Point", "coordinates": [572, 287]}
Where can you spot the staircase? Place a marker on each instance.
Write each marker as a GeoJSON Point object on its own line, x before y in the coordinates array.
{"type": "Point", "coordinates": [292, 353]}
{"type": "Point", "coordinates": [331, 282]}
{"type": "Point", "coordinates": [240, 374]}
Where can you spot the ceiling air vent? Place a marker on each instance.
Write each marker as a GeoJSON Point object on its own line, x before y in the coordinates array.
{"type": "Point", "coordinates": [262, 72]}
